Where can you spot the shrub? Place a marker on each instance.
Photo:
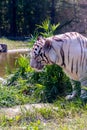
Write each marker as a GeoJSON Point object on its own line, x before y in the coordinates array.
{"type": "Point", "coordinates": [56, 82]}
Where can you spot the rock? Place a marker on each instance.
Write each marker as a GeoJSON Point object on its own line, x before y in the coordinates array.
{"type": "Point", "coordinates": [74, 11]}
{"type": "Point", "coordinates": [3, 48]}
{"type": "Point", "coordinates": [16, 110]}
{"type": "Point", "coordinates": [2, 81]}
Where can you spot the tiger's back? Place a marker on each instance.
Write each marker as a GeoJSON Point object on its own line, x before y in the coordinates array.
{"type": "Point", "coordinates": [74, 48]}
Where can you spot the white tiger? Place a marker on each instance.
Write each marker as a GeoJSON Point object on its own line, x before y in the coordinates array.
{"type": "Point", "coordinates": [69, 51]}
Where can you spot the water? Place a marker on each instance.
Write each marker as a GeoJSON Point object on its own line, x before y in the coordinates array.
{"type": "Point", "coordinates": [7, 60]}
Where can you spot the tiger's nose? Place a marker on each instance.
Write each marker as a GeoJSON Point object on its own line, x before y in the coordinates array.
{"type": "Point", "coordinates": [32, 64]}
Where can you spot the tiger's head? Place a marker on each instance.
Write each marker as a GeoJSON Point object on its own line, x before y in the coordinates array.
{"type": "Point", "coordinates": [38, 54]}
{"type": "Point", "coordinates": [46, 51]}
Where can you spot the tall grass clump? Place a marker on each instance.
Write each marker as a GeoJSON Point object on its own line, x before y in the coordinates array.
{"type": "Point", "coordinates": [47, 29]}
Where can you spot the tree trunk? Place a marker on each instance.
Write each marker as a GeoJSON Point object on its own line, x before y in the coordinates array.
{"type": "Point", "coordinates": [13, 27]}
{"type": "Point", "coordinates": [53, 11]}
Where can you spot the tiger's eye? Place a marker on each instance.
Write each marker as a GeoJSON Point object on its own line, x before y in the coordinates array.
{"type": "Point", "coordinates": [37, 45]}
{"type": "Point", "coordinates": [35, 49]}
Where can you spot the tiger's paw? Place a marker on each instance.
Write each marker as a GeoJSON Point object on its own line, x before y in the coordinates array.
{"type": "Point", "coordinates": [70, 97]}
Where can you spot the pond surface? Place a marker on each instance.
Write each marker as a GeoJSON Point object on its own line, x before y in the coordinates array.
{"type": "Point", "coordinates": [7, 60]}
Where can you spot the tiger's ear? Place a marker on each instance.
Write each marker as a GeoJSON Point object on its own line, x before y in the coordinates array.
{"type": "Point", "coordinates": [47, 45]}
{"type": "Point", "coordinates": [39, 38]}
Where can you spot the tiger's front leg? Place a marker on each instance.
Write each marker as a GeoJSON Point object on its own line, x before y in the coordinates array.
{"type": "Point", "coordinates": [83, 95]}
{"type": "Point", "coordinates": [75, 92]}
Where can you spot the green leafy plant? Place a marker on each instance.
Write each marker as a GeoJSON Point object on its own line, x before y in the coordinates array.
{"type": "Point", "coordinates": [48, 29]}
{"type": "Point", "coordinates": [35, 125]}
{"type": "Point", "coordinates": [55, 83]}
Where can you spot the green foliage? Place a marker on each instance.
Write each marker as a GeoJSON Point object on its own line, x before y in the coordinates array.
{"type": "Point", "coordinates": [46, 113]}
{"type": "Point", "coordinates": [11, 96]}
{"type": "Point", "coordinates": [47, 28]}
{"type": "Point", "coordinates": [18, 17]}
{"type": "Point", "coordinates": [48, 84]}
{"type": "Point", "coordinates": [56, 82]}
{"type": "Point", "coordinates": [21, 72]}
{"type": "Point", "coordinates": [43, 86]}
{"type": "Point", "coordinates": [35, 126]}
{"type": "Point", "coordinates": [7, 97]}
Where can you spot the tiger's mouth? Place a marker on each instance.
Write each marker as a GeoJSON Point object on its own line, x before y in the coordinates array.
{"type": "Point", "coordinates": [37, 65]}
{"type": "Point", "coordinates": [40, 67]}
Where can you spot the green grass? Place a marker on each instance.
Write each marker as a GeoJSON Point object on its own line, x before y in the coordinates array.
{"type": "Point", "coordinates": [60, 115]}
{"type": "Point", "coordinates": [72, 117]}
{"type": "Point", "coordinates": [11, 96]}
{"type": "Point", "coordinates": [11, 44]}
